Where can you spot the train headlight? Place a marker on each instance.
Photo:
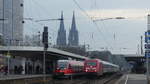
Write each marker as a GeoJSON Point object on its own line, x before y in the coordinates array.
{"type": "Point", "coordinates": [86, 70]}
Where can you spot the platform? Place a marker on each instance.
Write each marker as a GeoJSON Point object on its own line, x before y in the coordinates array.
{"type": "Point", "coordinates": [16, 77]}
{"type": "Point", "coordinates": [133, 79]}
{"type": "Point", "coordinates": [24, 79]}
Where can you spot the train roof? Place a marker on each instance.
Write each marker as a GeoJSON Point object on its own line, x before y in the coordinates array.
{"type": "Point", "coordinates": [62, 60]}
{"type": "Point", "coordinates": [105, 62]}
{"type": "Point", "coordinates": [68, 61]}
{"type": "Point", "coordinates": [72, 62]}
{"type": "Point", "coordinates": [108, 63]}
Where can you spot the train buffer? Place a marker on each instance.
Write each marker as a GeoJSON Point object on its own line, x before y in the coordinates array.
{"type": "Point", "coordinates": [133, 79]}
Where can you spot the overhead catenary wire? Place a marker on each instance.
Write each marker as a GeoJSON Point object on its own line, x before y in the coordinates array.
{"type": "Point", "coordinates": [103, 24]}
{"type": "Point", "coordinates": [36, 26]}
{"type": "Point", "coordinates": [76, 3]}
{"type": "Point", "coordinates": [97, 26]}
{"type": "Point", "coordinates": [45, 12]}
{"type": "Point", "coordinates": [86, 14]}
{"type": "Point", "coordinates": [28, 16]}
{"type": "Point", "coordinates": [41, 22]}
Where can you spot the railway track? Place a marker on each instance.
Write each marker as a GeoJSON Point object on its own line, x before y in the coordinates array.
{"type": "Point", "coordinates": [83, 80]}
{"type": "Point", "coordinates": [112, 79]}
{"type": "Point", "coordinates": [105, 80]}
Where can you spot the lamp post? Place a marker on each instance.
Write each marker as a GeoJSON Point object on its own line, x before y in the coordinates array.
{"type": "Point", "coordinates": [119, 18]}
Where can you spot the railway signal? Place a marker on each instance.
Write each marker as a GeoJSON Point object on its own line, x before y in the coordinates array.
{"type": "Point", "coordinates": [45, 37]}
{"type": "Point", "coordinates": [45, 42]}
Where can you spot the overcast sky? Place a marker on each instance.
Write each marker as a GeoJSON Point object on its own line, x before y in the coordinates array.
{"type": "Point", "coordinates": [118, 36]}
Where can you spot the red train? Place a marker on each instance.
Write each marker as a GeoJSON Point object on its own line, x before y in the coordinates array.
{"type": "Point", "coordinates": [99, 67]}
{"type": "Point", "coordinates": [67, 68]}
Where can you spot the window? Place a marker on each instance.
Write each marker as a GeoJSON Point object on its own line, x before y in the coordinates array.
{"type": "Point", "coordinates": [91, 63]}
{"type": "Point", "coordinates": [62, 65]}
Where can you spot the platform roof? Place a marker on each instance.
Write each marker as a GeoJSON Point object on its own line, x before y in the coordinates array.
{"type": "Point", "coordinates": [24, 49]}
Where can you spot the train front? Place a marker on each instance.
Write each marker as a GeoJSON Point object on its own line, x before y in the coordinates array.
{"type": "Point", "coordinates": [92, 67]}
{"type": "Point", "coordinates": [63, 69]}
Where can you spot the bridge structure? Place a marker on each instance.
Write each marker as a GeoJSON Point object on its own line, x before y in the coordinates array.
{"type": "Point", "coordinates": [137, 62]}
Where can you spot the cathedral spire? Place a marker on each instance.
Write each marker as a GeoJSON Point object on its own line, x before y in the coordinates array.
{"type": "Point", "coordinates": [62, 22]}
{"type": "Point", "coordinates": [73, 33]}
{"type": "Point", "coordinates": [73, 26]}
{"type": "Point", "coordinates": [61, 38]}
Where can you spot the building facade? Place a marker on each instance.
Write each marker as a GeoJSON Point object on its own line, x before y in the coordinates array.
{"type": "Point", "coordinates": [11, 21]}
{"type": "Point", "coordinates": [61, 37]}
{"type": "Point", "coordinates": [73, 38]}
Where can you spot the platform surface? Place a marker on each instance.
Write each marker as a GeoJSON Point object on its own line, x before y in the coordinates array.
{"type": "Point", "coordinates": [15, 77]}
{"type": "Point", "coordinates": [133, 79]}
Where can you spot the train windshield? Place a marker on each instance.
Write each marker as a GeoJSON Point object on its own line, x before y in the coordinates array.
{"type": "Point", "coordinates": [62, 65]}
{"type": "Point", "coordinates": [91, 63]}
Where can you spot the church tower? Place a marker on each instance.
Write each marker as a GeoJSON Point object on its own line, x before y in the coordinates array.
{"type": "Point", "coordinates": [73, 38]}
{"type": "Point", "coordinates": [61, 37]}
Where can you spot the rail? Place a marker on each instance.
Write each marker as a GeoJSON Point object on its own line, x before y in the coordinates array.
{"type": "Point", "coordinates": [126, 82]}
{"type": "Point", "coordinates": [92, 80]}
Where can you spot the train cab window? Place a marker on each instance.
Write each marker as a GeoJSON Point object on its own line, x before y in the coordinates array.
{"type": "Point", "coordinates": [91, 63]}
{"type": "Point", "coordinates": [62, 65]}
